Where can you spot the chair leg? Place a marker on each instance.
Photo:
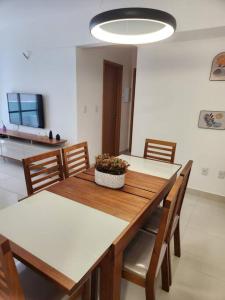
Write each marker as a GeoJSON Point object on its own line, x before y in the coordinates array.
{"type": "Point", "coordinates": [150, 291]}
{"type": "Point", "coordinates": [94, 285]}
{"type": "Point", "coordinates": [169, 264]}
{"type": "Point", "coordinates": [177, 247]}
{"type": "Point", "coordinates": [165, 273]}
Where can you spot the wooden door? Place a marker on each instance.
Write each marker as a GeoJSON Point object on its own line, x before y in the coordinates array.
{"type": "Point", "coordinates": [112, 92]}
{"type": "Point", "coordinates": [132, 108]}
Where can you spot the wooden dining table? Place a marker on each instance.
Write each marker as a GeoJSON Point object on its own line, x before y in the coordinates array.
{"type": "Point", "coordinates": [66, 240]}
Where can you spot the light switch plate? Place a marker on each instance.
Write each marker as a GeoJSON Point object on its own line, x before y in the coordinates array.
{"type": "Point", "coordinates": [126, 94]}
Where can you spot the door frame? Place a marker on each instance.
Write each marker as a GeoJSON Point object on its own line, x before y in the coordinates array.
{"type": "Point", "coordinates": [132, 106]}
{"type": "Point", "coordinates": [118, 103]}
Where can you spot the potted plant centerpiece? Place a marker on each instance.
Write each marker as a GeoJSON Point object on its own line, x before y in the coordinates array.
{"type": "Point", "coordinates": [110, 171]}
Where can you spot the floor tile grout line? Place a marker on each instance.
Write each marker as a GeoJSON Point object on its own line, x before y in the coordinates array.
{"type": "Point", "coordinates": [10, 191]}
{"type": "Point", "coordinates": [218, 236]}
{"type": "Point", "coordinates": [205, 273]}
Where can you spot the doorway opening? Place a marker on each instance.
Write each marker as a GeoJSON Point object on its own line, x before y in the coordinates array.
{"type": "Point", "coordinates": [104, 98]}
{"type": "Point", "coordinates": [119, 81]}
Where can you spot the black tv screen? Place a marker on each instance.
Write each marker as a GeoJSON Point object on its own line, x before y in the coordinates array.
{"type": "Point", "coordinates": [26, 109]}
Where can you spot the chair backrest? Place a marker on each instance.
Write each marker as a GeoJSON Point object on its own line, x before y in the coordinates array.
{"type": "Point", "coordinates": [75, 159]}
{"type": "Point", "coordinates": [160, 150]}
{"type": "Point", "coordinates": [185, 174]}
{"type": "Point", "coordinates": [10, 288]}
{"type": "Point", "coordinates": [164, 229]}
{"type": "Point", "coordinates": [42, 170]}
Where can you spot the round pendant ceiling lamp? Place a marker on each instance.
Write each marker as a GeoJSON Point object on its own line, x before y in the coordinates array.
{"type": "Point", "coordinates": [134, 25]}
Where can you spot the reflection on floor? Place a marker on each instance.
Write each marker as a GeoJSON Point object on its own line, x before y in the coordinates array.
{"type": "Point", "coordinates": [12, 183]}
{"type": "Point", "coordinates": [198, 275]}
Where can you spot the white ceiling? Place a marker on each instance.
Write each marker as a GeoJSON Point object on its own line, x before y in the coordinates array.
{"type": "Point", "coordinates": [29, 24]}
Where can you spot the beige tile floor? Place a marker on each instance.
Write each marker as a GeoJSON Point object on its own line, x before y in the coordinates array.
{"type": "Point", "coordinates": [198, 275]}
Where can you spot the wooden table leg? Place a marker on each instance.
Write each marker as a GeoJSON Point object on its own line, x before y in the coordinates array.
{"type": "Point", "coordinates": [94, 284]}
{"type": "Point", "coordinates": [110, 276]}
{"type": "Point", "coordinates": [86, 294]}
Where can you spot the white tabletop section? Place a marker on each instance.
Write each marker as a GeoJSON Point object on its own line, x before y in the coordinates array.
{"type": "Point", "coordinates": [65, 234]}
{"type": "Point", "coordinates": [151, 167]}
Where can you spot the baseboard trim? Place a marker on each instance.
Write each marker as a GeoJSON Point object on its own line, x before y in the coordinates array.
{"type": "Point", "coordinates": [206, 194]}
{"type": "Point", "coordinates": [124, 151]}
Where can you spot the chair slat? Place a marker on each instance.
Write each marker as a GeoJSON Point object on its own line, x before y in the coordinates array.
{"type": "Point", "coordinates": [4, 295]}
{"type": "Point", "coordinates": [160, 148]}
{"type": "Point", "coordinates": [160, 142]}
{"type": "Point", "coordinates": [83, 157]}
{"type": "Point", "coordinates": [78, 164]}
{"type": "Point", "coordinates": [49, 176]}
{"type": "Point", "coordinates": [4, 288]}
{"type": "Point", "coordinates": [160, 153]}
{"type": "Point", "coordinates": [42, 165]}
{"type": "Point", "coordinates": [47, 184]}
{"type": "Point", "coordinates": [158, 158]}
{"type": "Point", "coordinates": [1, 274]}
{"type": "Point", "coordinates": [74, 153]}
{"type": "Point", "coordinates": [44, 171]}
{"type": "Point", "coordinates": [76, 171]}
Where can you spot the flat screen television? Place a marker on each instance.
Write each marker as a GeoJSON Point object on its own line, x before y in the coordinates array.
{"type": "Point", "coordinates": [26, 109]}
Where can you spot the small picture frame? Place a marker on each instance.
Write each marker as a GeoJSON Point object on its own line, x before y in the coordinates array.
{"type": "Point", "coordinates": [209, 119]}
{"type": "Point", "coordinates": [218, 68]}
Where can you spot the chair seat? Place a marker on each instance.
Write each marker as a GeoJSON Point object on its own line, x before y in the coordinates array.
{"type": "Point", "coordinates": [138, 254]}
{"type": "Point", "coordinates": [36, 287]}
{"type": "Point", "coordinates": [153, 222]}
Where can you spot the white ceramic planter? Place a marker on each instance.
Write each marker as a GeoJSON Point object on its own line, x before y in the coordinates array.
{"type": "Point", "coordinates": [109, 180]}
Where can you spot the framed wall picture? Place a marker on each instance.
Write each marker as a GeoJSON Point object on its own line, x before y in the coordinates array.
{"type": "Point", "coordinates": [212, 119]}
{"type": "Point", "coordinates": [218, 67]}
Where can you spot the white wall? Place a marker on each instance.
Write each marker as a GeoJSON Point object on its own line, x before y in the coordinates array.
{"type": "Point", "coordinates": [172, 87]}
{"type": "Point", "coordinates": [89, 94]}
{"type": "Point", "coordinates": [50, 72]}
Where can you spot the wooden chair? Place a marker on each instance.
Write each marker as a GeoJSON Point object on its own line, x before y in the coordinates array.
{"type": "Point", "coordinates": [42, 170]}
{"type": "Point", "coordinates": [153, 223]}
{"type": "Point", "coordinates": [185, 173]}
{"type": "Point", "coordinates": [160, 150]}
{"type": "Point", "coordinates": [148, 252]}
{"type": "Point", "coordinates": [17, 282]}
{"type": "Point", "coordinates": [75, 159]}
{"type": "Point", "coordinates": [9, 280]}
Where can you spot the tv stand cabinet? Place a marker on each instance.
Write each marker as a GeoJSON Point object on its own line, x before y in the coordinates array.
{"type": "Point", "coordinates": [31, 137]}
{"type": "Point", "coordinates": [18, 145]}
